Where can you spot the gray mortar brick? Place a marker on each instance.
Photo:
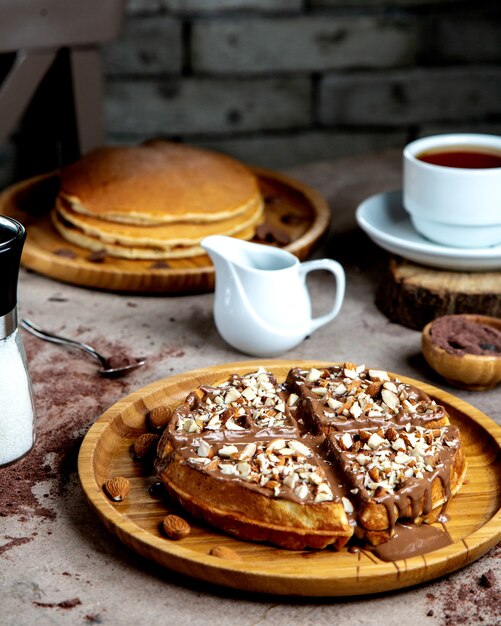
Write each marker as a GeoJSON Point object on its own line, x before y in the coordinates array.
{"type": "Point", "coordinates": [337, 4]}
{"type": "Point", "coordinates": [287, 149]}
{"type": "Point", "coordinates": [324, 4]}
{"type": "Point", "coordinates": [313, 43]}
{"type": "Point", "coordinates": [410, 97]}
{"type": "Point", "coordinates": [205, 6]}
{"type": "Point", "coordinates": [467, 38]}
{"type": "Point", "coordinates": [133, 7]}
{"type": "Point", "coordinates": [207, 106]}
{"type": "Point", "coordinates": [487, 128]}
{"type": "Point", "coordinates": [148, 45]}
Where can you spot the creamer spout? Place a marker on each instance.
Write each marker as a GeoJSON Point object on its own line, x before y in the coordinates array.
{"type": "Point", "coordinates": [221, 247]}
{"type": "Point", "coordinates": [213, 244]}
{"type": "Point", "coordinates": [216, 247]}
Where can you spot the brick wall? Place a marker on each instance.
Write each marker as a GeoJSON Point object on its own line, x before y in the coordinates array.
{"type": "Point", "coordinates": [281, 82]}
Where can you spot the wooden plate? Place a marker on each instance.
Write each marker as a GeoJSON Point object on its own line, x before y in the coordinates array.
{"type": "Point", "coordinates": [475, 512]}
{"type": "Point", "coordinates": [298, 211]}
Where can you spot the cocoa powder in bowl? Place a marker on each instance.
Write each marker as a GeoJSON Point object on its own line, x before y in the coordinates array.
{"type": "Point", "coordinates": [459, 335]}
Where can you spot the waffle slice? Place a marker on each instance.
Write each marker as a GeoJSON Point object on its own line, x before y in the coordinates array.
{"type": "Point", "coordinates": [343, 397]}
{"type": "Point", "coordinates": [373, 423]}
{"type": "Point", "coordinates": [253, 402]}
{"type": "Point", "coordinates": [233, 456]}
{"type": "Point", "coordinates": [398, 473]}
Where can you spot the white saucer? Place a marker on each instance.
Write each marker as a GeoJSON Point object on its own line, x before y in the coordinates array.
{"type": "Point", "coordinates": [385, 221]}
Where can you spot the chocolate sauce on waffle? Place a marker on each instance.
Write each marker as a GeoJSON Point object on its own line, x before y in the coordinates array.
{"type": "Point", "coordinates": [244, 430]}
{"type": "Point", "coordinates": [381, 448]}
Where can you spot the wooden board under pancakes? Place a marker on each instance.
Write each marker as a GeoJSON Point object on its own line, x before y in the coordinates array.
{"type": "Point", "coordinates": [474, 524]}
{"type": "Point", "coordinates": [290, 206]}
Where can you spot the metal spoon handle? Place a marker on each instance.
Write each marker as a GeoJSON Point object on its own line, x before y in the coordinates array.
{"type": "Point", "coordinates": [43, 334]}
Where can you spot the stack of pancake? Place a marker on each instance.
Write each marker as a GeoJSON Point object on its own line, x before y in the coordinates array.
{"type": "Point", "coordinates": [155, 201]}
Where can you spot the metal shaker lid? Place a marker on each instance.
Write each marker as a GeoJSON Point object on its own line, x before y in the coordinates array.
{"type": "Point", "coordinates": [12, 237]}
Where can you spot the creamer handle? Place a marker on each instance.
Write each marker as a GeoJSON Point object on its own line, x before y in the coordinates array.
{"type": "Point", "coordinates": [337, 270]}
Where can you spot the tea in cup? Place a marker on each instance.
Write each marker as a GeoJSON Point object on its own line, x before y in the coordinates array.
{"type": "Point", "coordinates": [452, 189]}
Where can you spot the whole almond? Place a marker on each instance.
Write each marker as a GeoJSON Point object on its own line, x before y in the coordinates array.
{"type": "Point", "coordinates": [406, 439]}
{"type": "Point", "coordinates": [349, 365]}
{"type": "Point", "coordinates": [223, 552]}
{"type": "Point", "coordinates": [271, 484]}
{"type": "Point", "coordinates": [175, 527]}
{"type": "Point", "coordinates": [356, 446]}
{"type": "Point", "coordinates": [390, 399]}
{"type": "Point", "coordinates": [117, 488]}
{"type": "Point", "coordinates": [364, 436]}
{"type": "Point", "coordinates": [144, 444]}
{"type": "Point", "coordinates": [355, 384]}
{"type": "Point", "coordinates": [391, 434]}
{"type": "Point", "coordinates": [159, 417]}
{"type": "Point", "coordinates": [342, 442]}
{"type": "Point", "coordinates": [374, 388]}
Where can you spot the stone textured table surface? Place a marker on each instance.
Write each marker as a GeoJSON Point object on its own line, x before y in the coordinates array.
{"type": "Point", "coordinates": [58, 564]}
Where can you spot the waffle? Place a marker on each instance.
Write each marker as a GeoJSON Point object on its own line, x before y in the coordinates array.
{"type": "Point", "coordinates": [311, 461]}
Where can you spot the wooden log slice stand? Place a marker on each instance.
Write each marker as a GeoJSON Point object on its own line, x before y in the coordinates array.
{"type": "Point", "coordinates": [413, 295]}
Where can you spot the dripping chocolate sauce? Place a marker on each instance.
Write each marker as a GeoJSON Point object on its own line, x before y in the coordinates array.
{"type": "Point", "coordinates": [411, 540]}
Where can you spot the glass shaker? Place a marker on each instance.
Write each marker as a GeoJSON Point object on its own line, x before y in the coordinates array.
{"type": "Point", "coordinates": [17, 412]}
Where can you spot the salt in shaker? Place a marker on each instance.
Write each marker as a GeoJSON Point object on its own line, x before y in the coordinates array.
{"type": "Point", "coordinates": [17, 412]}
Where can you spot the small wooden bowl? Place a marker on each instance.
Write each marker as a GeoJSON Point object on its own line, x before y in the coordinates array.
{"type": "Point", "coordinates": [469, 371]}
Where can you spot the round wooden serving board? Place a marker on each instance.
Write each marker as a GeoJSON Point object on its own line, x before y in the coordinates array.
{"type": "Point", "coordinates": [290, 206]}
{"type": "Point", "coordinates": [475, 512]}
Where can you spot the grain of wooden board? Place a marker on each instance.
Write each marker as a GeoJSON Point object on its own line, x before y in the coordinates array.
{"type": "Point", "coordinates": [413, 295]}
{"type": "Point", "coordinates": [297, 210]}
{"type": "Point", "coordinates": [474, 525]}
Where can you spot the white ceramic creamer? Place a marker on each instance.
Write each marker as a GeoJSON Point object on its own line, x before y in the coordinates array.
{"type": "Point", "coordinates": [262, 305]}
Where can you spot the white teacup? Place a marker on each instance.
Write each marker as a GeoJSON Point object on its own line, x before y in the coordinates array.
{"type": "Point", "coordinates": [453, 204]}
